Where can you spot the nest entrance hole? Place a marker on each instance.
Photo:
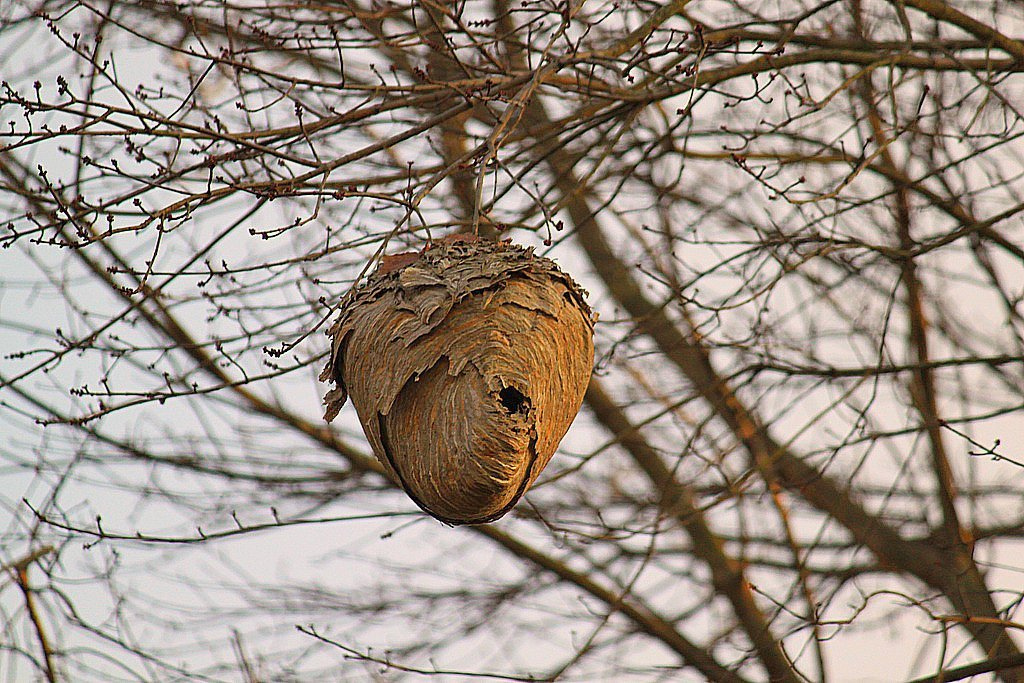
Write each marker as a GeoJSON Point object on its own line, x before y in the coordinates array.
{"type": "Point", "coordinates": [514, 401]}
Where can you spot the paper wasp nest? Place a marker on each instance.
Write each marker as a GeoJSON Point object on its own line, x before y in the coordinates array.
{"type": "Point", "coordinates": [466, 364]}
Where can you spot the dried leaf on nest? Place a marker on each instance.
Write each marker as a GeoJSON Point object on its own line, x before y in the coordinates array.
{"type": "Point", "coordinates": [466, 364]}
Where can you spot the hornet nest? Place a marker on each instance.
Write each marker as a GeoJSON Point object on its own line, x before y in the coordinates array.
{"type": "Point", "coordinates": [466, 364]}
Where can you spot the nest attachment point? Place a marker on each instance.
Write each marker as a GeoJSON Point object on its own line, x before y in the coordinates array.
{"type": "Point", "coordinates": [466, 364]}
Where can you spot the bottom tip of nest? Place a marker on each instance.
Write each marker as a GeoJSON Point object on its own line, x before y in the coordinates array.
{"type": "Point", "coordinates": [476, 500]}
